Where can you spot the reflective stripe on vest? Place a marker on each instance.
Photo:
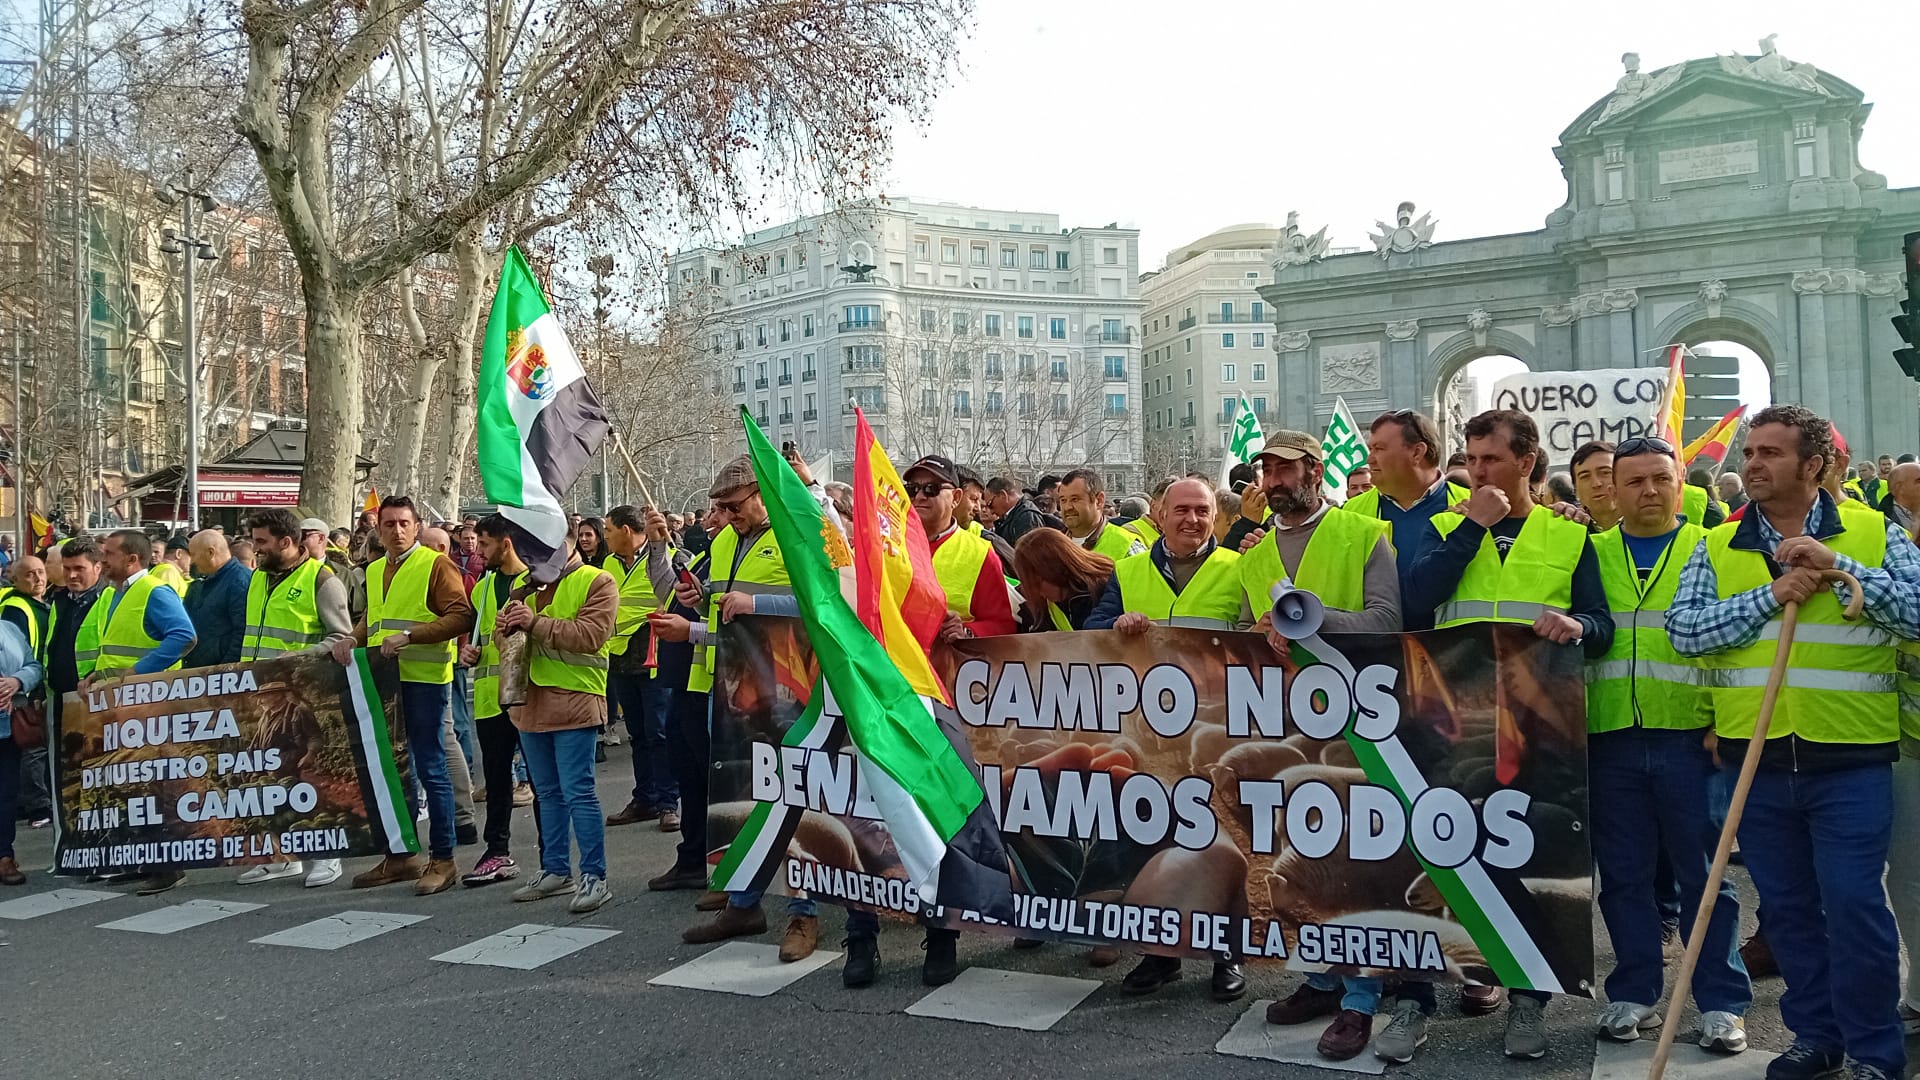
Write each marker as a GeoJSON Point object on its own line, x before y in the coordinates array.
{"type": "Point", "coordinates": [1333, 568]}
{"type": "Point", "coordinates": [637, 599]}
{"type": "Point", "coordinates": [1115, 543]}
{"type": "Point", "coordinates": [559, 668]}
{"type": "Point", "coordinates": [1367, 503]}
{"type": "Point", "coordinates": [1642, 681]}
{"type": "Point", "coordinates": [283, 618]}
{"type": "Point", "coordinates": [1535, 578]}
{"type": "Point", "coordinates": [1841, 683]}
{"type": "Point", "coordinates": [1211, 600]}
{"type": "Point", "coordinates": [405, 609]}
{"type": "Point", "coordinates": [956, 565]}
{"type": "Point", "coordinates": [486, 674]}
{"type": "Point", "coordinates": [123, 635]}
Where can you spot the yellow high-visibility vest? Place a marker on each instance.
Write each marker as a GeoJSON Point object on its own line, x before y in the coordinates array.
{"type": "Point", "coordinates": [760, 570]}
{"type": "Point", "coordinates": [404, 609]}
{"type": "Point", "coordinates": [559, 668]}
{"type": "Point", "coordinates": [1536, 577]}
{"type": "Point", "coordinates": [1211, 600]}
{"type": "Point", "coordinates": [285, 618]}
{"type": "Point", "coordinates": [1642, 681]}
{"type": "Point", "coordinates": [1334, 566]}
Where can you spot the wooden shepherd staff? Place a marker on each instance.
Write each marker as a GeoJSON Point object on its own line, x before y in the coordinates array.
{"type": "Point", "coordinates": [1755, 746]}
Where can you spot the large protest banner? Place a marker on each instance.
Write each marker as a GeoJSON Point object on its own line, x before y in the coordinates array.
{"type": "Point", "coordinates": [229, 766]}
{"type": "Point", "coordinates": [1574, 408]}
{"type": "Point", "coordinates": [1408, 804]}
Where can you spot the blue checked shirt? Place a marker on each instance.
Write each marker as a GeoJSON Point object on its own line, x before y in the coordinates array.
{"type": "Point", "coordinates": [1699, 622]}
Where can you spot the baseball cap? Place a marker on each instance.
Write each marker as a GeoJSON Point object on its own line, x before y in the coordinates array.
{"type": "Point", "coordinates": [735, 474]}
{"type": "Point", "coordinates": [942, 469]}
{"type": "Point", "coordinates": [308, 525]}
{"type": "Point", "coordinates": [1292, 445]}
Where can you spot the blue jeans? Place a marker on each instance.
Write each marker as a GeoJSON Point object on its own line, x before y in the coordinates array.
{"type": "Point", "coordinates": [643, 706]}
{"type": "Point", "coordinates": [796, 905]}
{"type": "Point", "coordinates": [463, 712]}
{"type": "Point", "coordinates": [1816, 845]}
{"type": "Point", "coordinates": [561, 763]}
{"type": "Point", "coordinates": [1648, 794]}
{"type": "Point", "coordinates": [423, 707]}
{"type": "Point", "coordinates": [1362, 994]}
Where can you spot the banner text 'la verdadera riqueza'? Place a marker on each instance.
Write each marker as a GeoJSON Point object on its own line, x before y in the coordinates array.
{"type": "Point", "coordinates": [1410, 805]}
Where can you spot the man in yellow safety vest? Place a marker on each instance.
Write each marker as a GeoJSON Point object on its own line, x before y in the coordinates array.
{"type": "Point", "coordinates": [1816, 829]}
{"type": "Point", "coordinates": [1082, 498]}
{"type": "Point", "coordinates": [643, 699]}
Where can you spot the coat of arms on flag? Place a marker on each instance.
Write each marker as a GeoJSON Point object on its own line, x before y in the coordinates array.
{"type": "Point", "coordinates": [527, 366]}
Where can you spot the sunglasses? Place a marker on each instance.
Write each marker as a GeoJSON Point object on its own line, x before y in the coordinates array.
{"type": "Point", "coordinates": [931, 489]}
{"type": "Point", "coordinates": [1643, 444]}
{"type": "Point", "coordinates": [732, 506]}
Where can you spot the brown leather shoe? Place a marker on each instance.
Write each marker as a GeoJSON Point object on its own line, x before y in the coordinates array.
{"type": "Point", "coordinates": [679, 877]}
{"type": "Point", "coordinates": [1305, 1004]}
{"type": "Point", "coordinates": [1102, 956]}
{"type": "Point", "coordinates": [669, 821]}
{"type": "Point", "coordinates": [10, 872]}
{"type": "Point", "coordinates": [710, 901]}
{"type": "Point", "coordinates": [732, 922]}
{"type": "Point", "coordinates": [439, 876]}
{"type": "Point", "coordinates": [803, 933]}
{"type": "Point", "coordinates": [1349, 1034]}
{"type": "Point", "coordinates": [1758, 956]}
{"type": "Point", "coordinates": [1477, 1000]}
{"type": "Point", "coordinates": [160, 881]}
{"type": "Point", "coordinates": [631, 814]}
{"type": "Point", "coordinates": [392, 869]}
{"type": "Point", "coordinates": [523, 794]}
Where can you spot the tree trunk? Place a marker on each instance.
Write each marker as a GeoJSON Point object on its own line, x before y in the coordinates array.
{"type": "Point", "coordinates": [414, 409]}
{"type": "Point", "coordinates": [472, 263]}
{"type": "Point", "coordinates": [334, 368]}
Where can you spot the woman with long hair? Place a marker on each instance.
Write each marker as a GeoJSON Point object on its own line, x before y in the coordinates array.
{"type": "Point", "coordinates": [592, 538]}
{"type": "Point", "coordinates": [1060, 579]}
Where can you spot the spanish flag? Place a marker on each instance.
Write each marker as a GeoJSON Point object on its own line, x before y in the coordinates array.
{"type": "Point", "coordinates": [899, 599]}
{"type": "Point", "coordinates": [372, 501]}
{"type": "Point", "coordinates": [1670, 416]}
{"type": "Point", "coordinates": [1713, 445]}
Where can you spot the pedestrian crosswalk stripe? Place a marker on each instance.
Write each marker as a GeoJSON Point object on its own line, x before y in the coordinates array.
{"type": "Point", "coordinates": [1011, 999]}
{"type": "Point", "coordinates": [526, 946]}
{"type": "Point", "coordinates": [741, 967]}
{"type": "Point", "coordinates": [46, 903]}
{"type": "Point", "coordinates": [1294, 1044]}
{"type": "Point", "coordinates": [177, 917]}
{"type": "Point", "coordinates": [339, 931]}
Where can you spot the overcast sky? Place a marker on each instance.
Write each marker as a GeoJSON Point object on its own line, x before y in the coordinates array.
{"type": "Point", "coordinates": [1179, 118]}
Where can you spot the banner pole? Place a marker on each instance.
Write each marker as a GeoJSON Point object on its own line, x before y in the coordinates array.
{"type": "Point", "coordinates": [1756, 745]}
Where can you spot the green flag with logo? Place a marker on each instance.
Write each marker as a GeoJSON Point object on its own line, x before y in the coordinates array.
{"type": "Point", "coordinates": [1343, 449]}
{"type": "Point", "coordinates": [1243, 443]}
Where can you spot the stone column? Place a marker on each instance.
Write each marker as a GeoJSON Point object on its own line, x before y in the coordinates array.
{"type": "Point", "coordinates": [1406, 369]}
{"type": "Point", "coordinates": [1298, 380]}
{"type": "Point", "coordinates": [1815, 381]}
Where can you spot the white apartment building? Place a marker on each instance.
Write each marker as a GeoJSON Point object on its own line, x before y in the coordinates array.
{"type": "Point", "coordinates": [994, 337]}
{"type": "Point", "coordinates": [1207, 341]}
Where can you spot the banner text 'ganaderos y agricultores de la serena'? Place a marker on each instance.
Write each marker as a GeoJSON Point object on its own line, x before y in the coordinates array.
{"type": "Point", "coordinates": [1408, 805]}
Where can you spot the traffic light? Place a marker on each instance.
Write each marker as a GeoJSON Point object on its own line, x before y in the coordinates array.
{"type": "Point", "coordinates": [1907, 323]}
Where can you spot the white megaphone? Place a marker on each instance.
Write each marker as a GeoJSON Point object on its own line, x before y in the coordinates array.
{"type": "Point", "coordinates": [1297, 613]}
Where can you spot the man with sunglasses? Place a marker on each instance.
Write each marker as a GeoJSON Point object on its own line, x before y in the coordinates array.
{"type": "Point", "coordinates": [1817, 826]}
{"type": "Point", "coordinates": [1649, 768]}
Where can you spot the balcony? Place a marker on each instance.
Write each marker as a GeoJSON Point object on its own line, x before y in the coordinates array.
{"type": "Point", "coordinates": [1115, 414]}
{"type": "Point", "coordinates": [862, 326]}
{"type": "Point", "coordinates": [1057, 375]}
{"type": "Point", "coordinates": [810, 415]}
{"type": "Point", "coordinates": [877, 408]}
{"type": "Point", "coordinates": [1186, 421]}
{"type": "Point", "coordinates": [807, 375]}
{"type": "Point", "coordinates": [1236, 317]}
{"type": "Point", "coordinates": [787, 379]}
{"type": "Point", "coordinates": [963, 410]}
{"type": "Point", "coordinates": [739, 387]}
{"type": "Point", "coordinates": [862, 365]}
{"type": "Point", "coordinates": [994, 411]}
{"type": "Point", "coordinates": [1122, 336]}
{"type": "Point", "coordinates": [1025, 333]}
{"type": "Point", "coordinates": [786, 418]}
{"type": "Point", "coordinates": [760, 383]}
{"type": "Point", "coordinates": [1186, 323]}
{"type": "Point", "coordinates": [1116, 376]}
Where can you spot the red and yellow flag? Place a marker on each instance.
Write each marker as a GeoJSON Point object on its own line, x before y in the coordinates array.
{"type": "Point", "coordinates": [1670, 417]}
{"type": "Point", "coordinates": [898, 597]}
{"type": "Point", "coordinates": [372, 501]}
{"type": "Point", "coordinates": [1716, 441]}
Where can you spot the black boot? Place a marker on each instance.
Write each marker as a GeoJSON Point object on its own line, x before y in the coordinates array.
{"type": "Point", "coordinates": [942, 964]}
{"type": "Point", "coordinates": [1229, 980]}
{"type": "Point", "coordinates": [863, 962]}
{"type": "Point", "coordinates": [1150, 974]}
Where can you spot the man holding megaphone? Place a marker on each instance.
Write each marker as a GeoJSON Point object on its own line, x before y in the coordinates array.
{"type": "Point", "coordinates": [1346, 561]}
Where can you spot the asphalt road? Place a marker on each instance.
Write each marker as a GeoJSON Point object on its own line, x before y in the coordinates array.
{"type": "Point", "coordinates": [80, 1001]}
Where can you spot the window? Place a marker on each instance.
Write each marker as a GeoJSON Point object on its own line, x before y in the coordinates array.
{"type": "Point", "coordinates": [960, 322]}
{"type": "Point", "coordinates": [1009, 256]}
{"type": "Point", "coordinates": [863, 357]}
{"type": "Point", "coordinates": [739, 379]}
{"type": "Point", "coordinates": [928, 365]}
{"type": "Point", "coordinates": [928, 319]}
{"type": "Point", "coordinates": [714, 274]}
{"type": "Point", "coordinates": [760, 334]}
{"type": "Point", "coordinates": [872, 399]}
{"type": "Point", "coordinates": [994, 403]}
{"type": "Point", "coordinates": [1059, 369]}
{"type": "Point", "coordinates": [949, 251]}
{"type": "Point", "coordinates": [786, 403]}
{"type": "Point", "coordinates": [760, 375]}
{"type": "Point", "coordinates": [993, 366]}
{"type": "Point", "coordinates": [1060, 260]}
{"type": "Point", "coordinates": [1189, 345]}
{"type": "Point", "coordinates": [1227, 407]}
{"type": "Point", "coordinates": [1226, 311]}
{"type": "Point", "coordinates": [1027, 368]}
{"type": "Point", "coordinates": [806, 368]}
{"type": "Point", "coordinates": [1226, 341]}
{"type": "Point", "coordinates": [1260, 407]}
{"type": "Point", "coordinates": [978, 254]}
{"type": "Point", "coordinates": [1116, 405]}
{"type": "Point", "coordinates": [811, 413]}
{"type": "Point", "coordinates": [1259, 312]}
{"type": "Point", "coordinates": [1259, 373]}
{"type": "Point", "coordinates": [1229, 373]}
{"type": "Point", "coordinates": [1259, 341]}
{"type": "Point", "coordinates": [1026, 403]}
{"type": "Point", "coordinates": [990, 325]}
{"type": "Point", "coordinates": [739, 340]}
{"type": "Point", "coordinates": [963, 403]}
{"type": "Point", "coordinates": [919, 247]}
{"type": "Point", "coordinates": [961, 364]}
{"type": "Point", "coordinates": [1112, 331]}
{"type": "Point", "coordinates": [1110, 256]}
{"type": "Point", "coordinates": [1037, 258]}
{"type": "Point", "coordinates": [861, 316]}
{"type": "Point", "coordinates": [1189, 376]}
{"type": "Point", "coordinates": [781, 266]}
{"type": "Point", "coordinates": [806, 326]}
{"type": "Point", "coordinates": [1061, 407]}
{"type": "Point", "coordinates": [1057, 328]}
{"type": "Point", "coordinates": [930, 402]}
{"type": "Point", "coordinates": [786, 370]}
{"type": "Point", "coordinates": [1025, 324]}
{"type": "Point", "coordinates": [1116, 367]}
{"type": "Point", "coordinates": [786, 330]}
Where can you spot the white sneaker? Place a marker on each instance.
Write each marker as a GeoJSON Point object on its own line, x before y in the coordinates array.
{"type": "Point", "coordinates": [273, 871]}
{"type": "Point", "coordinates": [1623, 1021]}
{"type": "Point", "coordinates": [1723, 1031]}
{"type": "Point", "coordinates": [325, 872]}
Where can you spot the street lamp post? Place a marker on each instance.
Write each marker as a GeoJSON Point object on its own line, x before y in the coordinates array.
{"type": "Point", "coordinates": [178, 244]}
{"type": "Point", "coordinates": [601, 266]}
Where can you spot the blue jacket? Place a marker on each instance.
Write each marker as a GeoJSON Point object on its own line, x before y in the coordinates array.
{"type": "Point", "coordinates": [217, 604]}
{"type": "Point", "coordinates": [16, 662]}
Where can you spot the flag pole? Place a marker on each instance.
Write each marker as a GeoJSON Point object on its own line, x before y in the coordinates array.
{"type": "Point", "coordinates": [621, 444]}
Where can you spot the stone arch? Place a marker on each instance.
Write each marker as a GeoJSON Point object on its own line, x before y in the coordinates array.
{"type": "Point", "coordinates": [1738, 321]}
{"type": "Point", "coordinates": [1449, 356]}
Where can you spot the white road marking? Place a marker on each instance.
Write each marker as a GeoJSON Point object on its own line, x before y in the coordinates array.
{"type": "Point", "coordinates": [340, 931]}
{"type": "Point", "coordinates": [177, 917]}
{"type": "Point", "coordinates": [526, 946]}
{"type": "Point", "coordinates": [744, 968]}
{"type": "Point", "coordinates": [46, 903]}
{"type": "Point", "coordinates": [1011, 999]}
{"type": "Point", "coordinates": [1295, 1044]}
